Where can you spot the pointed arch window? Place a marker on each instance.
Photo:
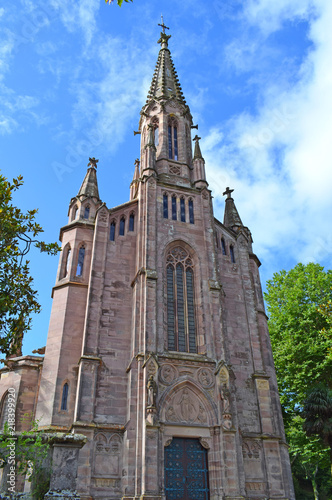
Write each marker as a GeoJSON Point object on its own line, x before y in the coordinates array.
{"type": "Point", "coordinates": [182, 210]}
{"type": "Point", "coordinates": [122, 227]}
{"type": "Point", "coordinates": [67, 262]}
{"type": "Point", "coordinates": [155, 124]}
{"type": "Point", "coordinates": [191, 211]}
{"type": "Point", "coordinates": [223, 246]}
{"type": "Point", "coordinates": [131, 222]}
{"type": "Point", "coordinates": [86, 212]}
{"type": "Point", "coordinates": [80, 261]}
{"type": "Point", "coordinates": [4, 411]}
{"type": "Point", "coordinates": [231, 252]}
{"type": "Point", "coordinates": [181, 325]}
{"type": "Point", "coordinates": [112, 231]}
{"type": "Point", "coordinates": [64, 398]}
{"type": "Point", "coordinates": [74, 213]}
{"type": "Point", "coordinates": [165, 206]}
{"type": "Point", "coordinates": [173, 140]}
{"type": "Point", "coordinates": [174, 208]}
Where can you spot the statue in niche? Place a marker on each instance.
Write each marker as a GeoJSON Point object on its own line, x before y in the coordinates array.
{"type": "Point", "coordinates": [171, 415]}
{"type": "Point", "coordinates": [224, 395]}
{"type": "Point", "coordinates": [152, 392]}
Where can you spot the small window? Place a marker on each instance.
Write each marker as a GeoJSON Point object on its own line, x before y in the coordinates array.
{"type": "Point", "coordinates": [165, 206]}
{"type": "Point", "coordinates": [75, 210]}
{"type": "Point", "coordinates": [182, 210]}
{"type": "Point", "coordinates": [86, 212]}
{"type": "Point", "coordinates": [112, 231]}
{"type": "Point", "coordinates": [80, 261]}
{"type": "Point", "coordinates": [122, 227]}
{"type": "Point", "coordinates": [156, 136]}
{"type": "Point", "coordinates": [231, 251]}
{"type": "Point", "coordinates": [66, 268]}
{"type": "Point", "coordinates": [174, 208]}
{"type": "Point", "coordinates": [223, 246]}
{"type": "Point", "coordinates": [191, 211]}
{"type": "Point", "coordinates": [131, 222]}
{"type": "Point", "coordinates": [64, 398]}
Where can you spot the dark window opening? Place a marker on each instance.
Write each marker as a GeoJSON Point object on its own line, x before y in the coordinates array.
{"type": "Point", "coordinates": [64, 397]}
{"type": "Point", "coordinates": [112, 232]}
{"type": "Point", "coordinates": [86, 212]}
{"type": "Point", "coordinates": [174, 215]}
{"type": "Point", "coordinates": [170, 145]}
{"type": "Point", "coordinates": [182, 210]}
{"type": "Point", "coordinates": [231, 251]}
{"type": "Point", "coordinates": [173, 141]}
{"type": "Point", "coordinates": [191, 211]}
{"type": "Point", "coordinates": [223, 246]}
{"type": "Point", "coordinates": [131, 222]}
{"type": "Point", "coordinates": [122, 227]}
{"type": "Point", "coordinates": [80, 261]}
{"type": "Point", "coordinates": [165, 206]}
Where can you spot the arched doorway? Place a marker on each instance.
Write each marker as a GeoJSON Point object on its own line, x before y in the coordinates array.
{"type": "Point", "coordinates": [186, 470]}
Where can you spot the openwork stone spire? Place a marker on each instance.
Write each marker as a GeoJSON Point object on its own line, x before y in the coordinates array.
{"type": "Point", "coordinates": [165, 82]}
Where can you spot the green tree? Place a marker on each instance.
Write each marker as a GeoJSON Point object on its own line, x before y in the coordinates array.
{"type": "Point", "coordinates": [18, 300]}
{"type": "Point", "coordinates": [119, 2]}
{"type": "Point", "coordinates": [317, 413]}
{"type": "Point", "coordinates": [301, 356]}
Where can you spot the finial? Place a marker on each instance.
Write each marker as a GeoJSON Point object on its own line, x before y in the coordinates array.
{"type": "Point", "coordinates": [163, 40]}
{"type": "Point", "coordinates": [228, 192]}
{"type": "Point", "coordinates": [136, 162]}
{"type": "Point", "coordinates": [93, 162]}
{"type": "Point", "coordinates": [196, 138]}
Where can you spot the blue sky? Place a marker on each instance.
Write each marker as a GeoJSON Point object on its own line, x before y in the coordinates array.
{"type": "Point", "coordinates": [257, 75]}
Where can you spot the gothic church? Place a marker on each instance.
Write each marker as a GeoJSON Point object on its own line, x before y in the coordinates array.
{"type": "Point", "coordinates": [158, 348]}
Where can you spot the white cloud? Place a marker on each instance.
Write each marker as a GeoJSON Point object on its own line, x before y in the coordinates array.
{"type": "Point", "coordinates": [279, 157]}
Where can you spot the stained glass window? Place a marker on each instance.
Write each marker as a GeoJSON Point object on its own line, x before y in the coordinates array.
{"type": "Point", "coordinates": [181, 325]}
{"type": "Point", "coordinates": [223, 246]}
{"type": "Point", "coordinates": [112, 231]}
{"type": "Point", "coordinates": [80, 261]}
{"type": "Point", "coordinates": [86, 212]}
{"type": "Point", "coordinates": [64, 397]}
{"type": "Point", "coordinates": [165, 206]}
{"type": "Point", "coordinates": [182, 210]}
{"type": "Point", "coordinates": [122, 227]}
{"type": "Point", "coordinates": [174, 215]}
{"type": "Point", "coordinates": [131, 222]}
{"type": "Point", "coordinates": [191, 211]}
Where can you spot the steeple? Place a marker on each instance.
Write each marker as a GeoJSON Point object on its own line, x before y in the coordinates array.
{"type": "Point", "coordinates": [165, 83]}
{"type": "Point", "coordinates": [231, 215]}
{"type": "Point", "coordinates": [89, 187]}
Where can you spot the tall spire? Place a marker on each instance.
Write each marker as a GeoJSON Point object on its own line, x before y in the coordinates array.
{"type": "Point", "coordinates": [89, 186]}
{"type": "Point", "coordinates": [231, 215]}
{"type": "Point", "coordinates": [165, 83]}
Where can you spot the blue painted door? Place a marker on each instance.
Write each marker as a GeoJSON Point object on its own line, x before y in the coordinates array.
{"type": "Point", "coordinates": [186, 470]}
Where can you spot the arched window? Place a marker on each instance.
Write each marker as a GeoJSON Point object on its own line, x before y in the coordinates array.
{"type": "Point", "coordinates": [112, 231]}
{"type": "Point", "coordinates": [173, 140]}
{"type": "Point", "coordinates": [80, 261]}
{"type": "Point", "coordinates": [191, 211]}
{"type": "Point", "coordinates": [155, 124]}
{"type": "Point", "coordinates": [181, 327]}
{"type": "Point", "coordinates": [86, 212]}
{"type": "Point", "coordinates": [165, 206]}
{"type": "Point", "coordinates": [223, 246]}
{"type": "Point", "coordinates": [64, 398]}
{"type": "Point", "coordinates": [174, 215]}
{"type": "Point", "coordinates": [4, 411]}
{"type": "Point", "coordinates": [74, 212]}
{"type": "Point", "coordinates": [131, 222]}
{"type": "Point", "coordinates": [231, 251]}
{"type": "Point", "coordinates": [122, 226]}
{"type": "Point", "coordinates": [182, 210]}
{"type": "Point", "coordinates": [67, 262]}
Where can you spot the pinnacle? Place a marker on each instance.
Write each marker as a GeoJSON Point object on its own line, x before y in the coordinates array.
{"type": "Point", "coordinates": [89, 187]}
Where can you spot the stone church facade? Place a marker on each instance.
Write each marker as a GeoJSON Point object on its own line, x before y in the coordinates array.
{"type": "Point", "coordinates": [158, 348]}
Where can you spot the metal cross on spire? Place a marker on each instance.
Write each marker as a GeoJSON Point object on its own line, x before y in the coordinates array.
{"type": "Point", "coordinates": [163, 26]}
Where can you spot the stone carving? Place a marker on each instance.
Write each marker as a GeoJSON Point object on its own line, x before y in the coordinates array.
{"type": "Point", "coordinates": [205, 377]}
{"type": "Point", "coordinates": [224, 396]}
{"type": "Point", "coordinates": [186, 407]}
{"type": "Point", "coordinates": [255, 486]}
{"type": "Point", "coordinates": [251, 449]}
{"type": "Point", "coordinates": [205, 444]}
{"type": "Point", "coordinates": [173, 169]}
{"type": "Point", "coordinates": [151, 365]}
{"type": "Point", "coordinates": [262, 384]}
{"type": "Point", "coordinates": [224, 376]}
{"type": "Point", "coordinates": [227, 422]}
{"type": "Point", "coordinates": [152, 391]}
{"type": "Point", "coordinates": [107, 454]}
{"type": "Point", "coordinates": [167, 374]}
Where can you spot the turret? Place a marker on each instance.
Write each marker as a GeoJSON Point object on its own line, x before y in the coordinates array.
{"type": "Point", "coordinates": [199, 177]}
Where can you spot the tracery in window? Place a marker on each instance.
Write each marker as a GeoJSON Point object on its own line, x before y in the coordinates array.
{"type": "Point", "coordinates": [80, 261]}
{"type": "Point", "coordinates": [181, 326]}
{"type": "Point", "coordinates": [122, 226]}
{"type": "Point", "coordinates": [64, 397]}
{"type": "Point", "coordinates": [112, 231]}
{"type": "Point", "coordinates": [173, 139]}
